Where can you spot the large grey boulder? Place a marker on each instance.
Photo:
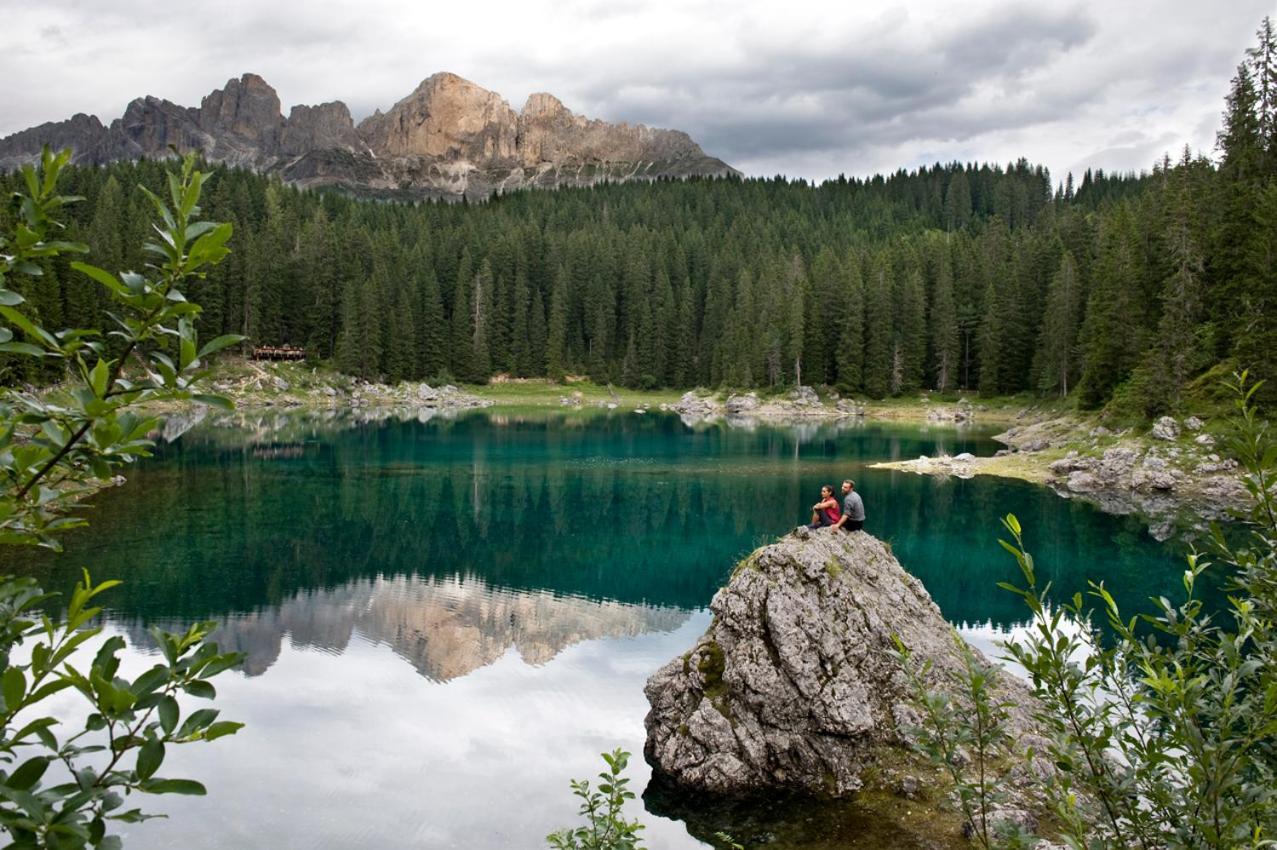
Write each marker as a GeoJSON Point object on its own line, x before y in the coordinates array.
{"type": "Point", "coordinates": [694, 405]}
{"type": "Point", "coordinates": [804, 397]}
{"type": "Point", "coordinates": [1166, 428]}
{"type": "Point", "coordinates": [794, 685]}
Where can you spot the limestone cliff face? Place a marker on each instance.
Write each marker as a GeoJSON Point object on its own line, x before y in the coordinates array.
{"type": "Point", "coordinates": [551, 133]}
{"type": "Point", "coordinates": [450, 138]}
{"type": "Point", "coordinates": [326, 127]}
{"type": "Point", "coordinates": [446, 118]}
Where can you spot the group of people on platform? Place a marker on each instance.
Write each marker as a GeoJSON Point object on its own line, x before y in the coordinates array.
{"type": "Point", "coordinates": [849, 516]}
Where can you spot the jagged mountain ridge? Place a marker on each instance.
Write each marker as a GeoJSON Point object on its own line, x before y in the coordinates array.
{"type": "Point", "coordinates": [449, 138]}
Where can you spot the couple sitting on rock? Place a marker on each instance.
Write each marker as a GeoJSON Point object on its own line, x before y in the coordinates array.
{"type": "Point", "coordinates": [826, 513]}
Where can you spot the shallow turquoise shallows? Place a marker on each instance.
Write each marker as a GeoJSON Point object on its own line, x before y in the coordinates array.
{"type": "Point", "coordinates": [447, 619]}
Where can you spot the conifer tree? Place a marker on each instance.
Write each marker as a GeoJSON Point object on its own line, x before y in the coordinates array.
{"type": "Point", "coordinates": [957, 201]}
{"type": "Point", "coordinates": [481, 306]}
{"type": "Point", "coordinates": [1110, 340]}
{"type": "Point", "coordinates": [989, 341]}
{"type": "Point", "coordinates": [739, 345]}
{"type": "Point", "coordinates": [850, 356]}
{"type": "Point", "coordinates": [536, 335]}
{"type": "Point", "coordinates": [822, 327]}
{"type": "Point", "coordinates": [461, 337]}
{"type": "Point", "coordinates": [630, 376]}
{"type": "Point", "coordinates": [681, 371]}
{"type": "Point", "coordinates": [1055, 362]}
{"type": "Point", "coordinates": [665, 330]}
{"type": "Point", "coordinates": [1263, 61]}
{"type": "Point", "coordinates": [556, 328]}
{"type": "Point", "coordinates": [520, 340]}
{"type": "Point", "coordinates": [878, 329]}
{"type": "Point", "coordinates": [910, 343]}
{"type": "Point", "coordinates": [1178, 352]}
{"type": "Point", "coordinates": [943, 325]}
{"type": "Point", "coordinates": [1240, 169]}
{"type": "Point", "coordinates": [105, 237]}
{"type": "Point", "coordinates": [432, 332]}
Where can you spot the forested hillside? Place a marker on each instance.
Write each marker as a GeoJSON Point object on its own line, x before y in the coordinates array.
{"type": "Point", "coordinates": [952, 277]}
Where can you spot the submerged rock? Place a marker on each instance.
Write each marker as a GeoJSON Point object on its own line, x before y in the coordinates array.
{"type": "Point", "coordinates": [795, 685]}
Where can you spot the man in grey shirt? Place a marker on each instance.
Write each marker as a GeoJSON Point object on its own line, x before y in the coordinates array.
{"type": "Point", "coordinates": [853, 508]}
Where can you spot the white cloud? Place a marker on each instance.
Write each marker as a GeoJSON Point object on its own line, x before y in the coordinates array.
{"type": "Point", "coordinates": [804, 88]}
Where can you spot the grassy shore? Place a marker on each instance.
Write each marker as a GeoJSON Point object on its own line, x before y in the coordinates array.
{"type": "Point", "coordinates": [533, 392]}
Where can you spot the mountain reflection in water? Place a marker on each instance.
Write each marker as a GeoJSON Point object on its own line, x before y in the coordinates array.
{"type": "Point", "coordinates": [444, 628]}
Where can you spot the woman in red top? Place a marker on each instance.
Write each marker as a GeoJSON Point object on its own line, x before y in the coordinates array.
{"type": "Point", "coordinates": [825, 512]}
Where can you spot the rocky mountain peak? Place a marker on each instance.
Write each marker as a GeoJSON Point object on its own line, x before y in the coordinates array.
{"type": "Point", "coordinates": [448, 138]}
{"type": "Point", "coordinates": [242, 116]}
{"type": "Point", "coordinates": [446, 117]}
{"type": "Point", "coordinates": [543, 104]}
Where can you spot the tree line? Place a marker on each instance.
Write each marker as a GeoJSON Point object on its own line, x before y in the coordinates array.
{"type": "Point", "coordinates": [972, 277]}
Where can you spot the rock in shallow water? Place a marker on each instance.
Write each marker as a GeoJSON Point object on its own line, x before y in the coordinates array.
{"type": "Point", "coordinates": [795, 685]}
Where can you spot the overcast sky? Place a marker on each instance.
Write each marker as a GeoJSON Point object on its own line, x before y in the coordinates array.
{"type": "Point", "coordinates": [807, 89]}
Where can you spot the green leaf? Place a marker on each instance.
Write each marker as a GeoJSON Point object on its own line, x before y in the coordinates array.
{"type": "Point", "coordinates": [28, 327]}
{"type": "Point", "coordinates": [98, 377]}
{"type": "Point", "coordinates": [168, 714]}
{"type": "Point", "coordinates": [217, 344]}
{"type": "Point", "coordinates": [173, 786]}
{"type": "Point", "coordinates": [15, 688]}
{"type": "Point", "coordinates": [29, 773]}
{"type": "Point", "coordinates": [22, 348]}
{"type": "Point", "coordinates": [197, 721]}
{"type": "Point", "coordinates": [103, 277]}
{"type": "Point", "coordinates": [221, 729]}
{"type": "Point", "coordinates": [9, 298]}
{"type": "Point", "coordinates": [200, 689]}
{"type": "Point", "coordinates": [149, 758]}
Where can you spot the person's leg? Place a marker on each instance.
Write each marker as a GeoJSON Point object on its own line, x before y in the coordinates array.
{"type": "Point", "coordinates": [854, 525]}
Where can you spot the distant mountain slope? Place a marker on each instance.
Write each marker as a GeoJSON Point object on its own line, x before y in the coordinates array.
{"type": "Point", "coordinates": [449, 138]}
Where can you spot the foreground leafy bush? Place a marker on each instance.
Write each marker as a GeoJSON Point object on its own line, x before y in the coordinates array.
{"type": "Point", "coordinates": [64, 790]}
{"type": "Point", "coordinates": [602, 809]}
{"type": "Point", "coordinates": [1163, 730]}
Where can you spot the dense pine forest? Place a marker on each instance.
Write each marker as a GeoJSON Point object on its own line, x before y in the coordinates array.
{"type": "Point", "coordinates": [1114, 289]}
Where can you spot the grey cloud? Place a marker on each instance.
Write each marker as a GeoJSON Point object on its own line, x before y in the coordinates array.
{"type": "Point", "coordinates": [804, 89]}
{"type": "Point", "coordinates": [789, 100]}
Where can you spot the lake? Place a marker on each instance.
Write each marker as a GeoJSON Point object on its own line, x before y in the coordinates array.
{"type": "Point", "coordinates": [445, 619]}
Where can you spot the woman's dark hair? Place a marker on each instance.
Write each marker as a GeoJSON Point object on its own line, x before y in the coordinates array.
{"type": "Point", "coordinates": [824, 487]}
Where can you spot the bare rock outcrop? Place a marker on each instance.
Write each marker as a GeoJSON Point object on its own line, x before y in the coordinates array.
{"type": "Point", "coordinates": [449, 138]}
{"type": "Point", "coordinates": [794, 685]}
{"type": "Point", "coordinates": [448, 118]}
{"type": "Point", "coordinates": [327, 127]}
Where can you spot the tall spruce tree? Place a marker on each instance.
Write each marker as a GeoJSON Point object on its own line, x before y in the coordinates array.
{"type": "Point", "coordinates": [557, 328]}
{"type": "Point", "coordinates": [432, 333]}
{"type": "Point", "coordinates": [849, 294]}
{"type": "Point", "coordinates": [878, 328]}
{"type": "Point", "coordinates": [943, 321]}
{"type": "Point", "coordinates": [1111, 340]}
{"type": "Point", "coordinates": [1056, 360]}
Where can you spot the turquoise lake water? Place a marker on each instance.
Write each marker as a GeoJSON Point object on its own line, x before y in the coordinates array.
{"type": "Point", "coordinates": [446, 619]}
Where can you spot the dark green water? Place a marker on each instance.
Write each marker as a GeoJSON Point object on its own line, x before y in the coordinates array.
{"type": "Point", "coordinates": [446, 620]}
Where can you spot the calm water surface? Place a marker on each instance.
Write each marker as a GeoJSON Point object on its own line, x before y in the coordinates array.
{"type": "Point", "coordinates": [446, 619]}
